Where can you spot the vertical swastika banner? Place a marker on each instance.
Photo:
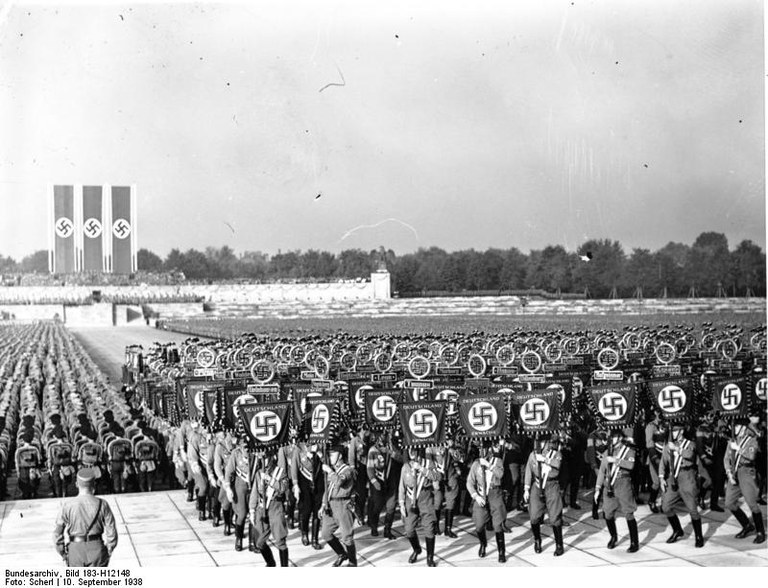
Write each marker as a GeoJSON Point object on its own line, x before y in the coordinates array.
{"type": "Point", "coordinates": [381, 408]}
{"type": "Point", "coordinates": [211, 404]}
{"type": "Point", "coordinates": [538, 411]}
{"type": "Point", "coordinates": [64, 229]}
{"type": "Point", "coordinates": [423, 423]}
{"type": "Point", "coordinates": [730, 396]}
{"type": "Point", "coordinates": [673, 397]}
{"type": "Point", "coordinates": [93, 253]}
{"type": "Point", "coordinates": [484, 416]}
{"type": "Point", "coordinates": [121, 230]}
{"type": "Point", "coordinates": [321, 418]}
{"type": "Point", "coordinates": [614, 404]}
{"type": "Point", "coordinates": [195, 398]}
{"type": "Point", "coordinates": [267, 424]}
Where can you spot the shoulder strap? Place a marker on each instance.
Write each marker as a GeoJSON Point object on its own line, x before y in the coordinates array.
{"type": "Point", "coordinates": [95, 518]}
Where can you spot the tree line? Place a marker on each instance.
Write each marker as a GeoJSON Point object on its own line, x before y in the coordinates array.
{"type": "Point", "coordinates": [599, 267]}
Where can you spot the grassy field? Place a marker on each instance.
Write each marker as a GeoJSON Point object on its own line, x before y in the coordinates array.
{"type": "Point", "coordinates": [232, 327]}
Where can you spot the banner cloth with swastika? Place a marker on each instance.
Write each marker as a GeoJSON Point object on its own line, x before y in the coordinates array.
{"type": "Point", "coordinates": [267, 424]}
{"type": "Point", "coordinates": [614, 404]}
{"type": "Point", "coordinates": [730, 396]}
{"type": "Point", "coordinates": [195, 399]}
{"type": "Point", "coordinates": [673, 397]}
{"type": "Point", "coordinates": [381, 408]}
{"type": "Point", "coordinates": [759, 385]}
{"type": "Point", "coordinates": [211, 403]}
{"type": "Point", "coordinates": [538, 411]}
{"type": "Point", "coordinates": [231, 396]}
{"type": "Point", "coordinates": [484, 416]}
{"type": "Point", "coordinates": [423, 423]}
{"type": "Point", "coordinates": [321, 418]}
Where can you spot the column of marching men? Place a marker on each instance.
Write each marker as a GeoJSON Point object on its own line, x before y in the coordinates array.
{"type": "Point", "coordinates": [353, 482]}
{"type": "Point", "coordinates": [59, 414]}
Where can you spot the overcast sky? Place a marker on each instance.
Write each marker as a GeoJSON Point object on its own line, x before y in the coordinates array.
{"type": "Point", "coordinates": [456, 124]}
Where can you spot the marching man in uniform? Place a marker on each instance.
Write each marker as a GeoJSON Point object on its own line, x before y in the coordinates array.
{"type": "Point", "coordinates": [677, 475]}
{"type": "Point", "coordinates": [237, 486]}
{"type": "Point", "coordinates": [197, 457]}
{"type": "Point", "coordinates": [446, 461]}
{"type": "Point", "coordinates": [484, 485]}
{"type": "Point", "coordinates": [270, 486]}
{"type": "Point", "coordinates": [221, 452]}
{"type": "Point", "coordinates": [614, 483]}
{"type": "Point", "coordinates": [307, 477]}
{"type": "Point", "coordinates": [655, 437]}
{"type": "Point", "coordinates": [740, 458]}
{"type": "Point", "coordinates": [542, 490]}
{"type": "Point", "coordinates": [417, 503]}
{"type": "Point", "coordinates": [339, 508]}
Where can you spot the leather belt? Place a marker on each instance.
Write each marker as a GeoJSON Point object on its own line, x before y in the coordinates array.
{"type": "Point", "coordinates": [84, 538]}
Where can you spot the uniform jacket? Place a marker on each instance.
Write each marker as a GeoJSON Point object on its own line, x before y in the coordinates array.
{"type": "Point", "coordinates": [481, 479]}
{"type": "Point", "coordinates": [409, 480]}
{"type": "Point", "coordinates": [534, 472]}
{"type": "Point", "coordinates": [624, 462]}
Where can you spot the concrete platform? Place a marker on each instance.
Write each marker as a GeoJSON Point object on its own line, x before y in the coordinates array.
{"type": "Point", "coordinates": [161, 529]}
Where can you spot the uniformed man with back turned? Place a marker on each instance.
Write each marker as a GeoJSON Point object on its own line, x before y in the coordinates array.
{"type": "Point", "coordinates": [90, 525]}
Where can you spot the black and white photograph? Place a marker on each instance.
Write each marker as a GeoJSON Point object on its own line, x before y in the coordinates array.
{"type": "Point", "coordinates": [382, 284]}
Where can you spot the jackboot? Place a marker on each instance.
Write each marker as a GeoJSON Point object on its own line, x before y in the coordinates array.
{"type": "Point", "coordinates": [388, 520]}
{"type": "Point", "coordinates": [501, 546]}
{"type": "Point", "coordinates": [227, 522]}
{"type": "Point", "coordinates": [677, 529]}
{"type": "Point", "coordinates": [315, 534]}
{"type": "Point", "coordinates": [483, 543]}
{"type": "Point", "coordinates": [652, 500]}
{"type": "Point", "coordinates": [449, 525]}
{"type": "Point", "coordinates": [352, 555]}
{"type": "Point", "coordinates": [338, 548]}
{"type": "Point", "coordinates": [536, 530]}
{"type": "Point", "coordinates": [201, 508]}
{"type": "Point", "coordinates": [430, 552]}
{"type": "Point", "coordinates": [414, 541]}
{"type": "Point", "coordinates": [697, 532]}
{"type": "Point", "coordinates": [634, 543]}
{"type": "Point", "coordinates": [190, 491]}
{"type": "Point", "coordinates": [266, 553]}
{"type": "Point", "coordinates": [284, 558]}
{"type": "Point", "coordinates": [746, 526]}
{"type": "Point", "coordinates": [252, 538]}
{"type": "Point", "coordinates": [437, 522]}
{"type": "Point", "coordinates": [758, 518]}
{"type": "Point", "coordinates": [558, 540]}
{"type": "Point", "coordinates": [216, 514]}
{"type": "Point", "coordinates": [611, 524]}
{"type": "Point", "coordinates": [239, 532]}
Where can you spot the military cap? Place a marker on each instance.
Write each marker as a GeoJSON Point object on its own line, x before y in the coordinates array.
{"type": "Point", "coordinates": [86, 477]}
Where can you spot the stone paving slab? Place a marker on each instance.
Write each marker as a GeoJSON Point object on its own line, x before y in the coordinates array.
{"type": "Point", "coordinates": [162, 529]}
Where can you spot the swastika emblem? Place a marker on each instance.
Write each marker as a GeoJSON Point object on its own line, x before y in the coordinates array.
{"type": "Point", "coordinates": [242, 399]}
{"type": "Point", "coordinates": [730, 397]}
{"type": "Point", "coordinates": [534, 412]}
{"type": "Point", "coordinates": [612, 406]}
{"type": "Point", "coordinates": [121, 228]}
{"type": "Point", "coordinates": [320, 418]}
{"type": "Point", "coordinates": [384, 408]}
{"type": "Point", "coordinates": [359, 395]}
{"type": "Point", "coordinates": [450, 396]}
{"type": "Point", "coordinates": [92, 228]}
{"type": "Point", "coordinates": [205, 358]}
{"type": "Point", "coordinates": [483, 416]}
{"type": "Point", "coordinates": [560, 391]}
{"type": "Point", "coordinates": [760, 388]}
{"type": "Point", "coordinates": [672, 399]}
{"type": "Point", "coordinates": [265, 425]}
{"type": "Point", "coordinates": [422, 423]}
{"type": "Point", "coordinates": [64, 227]}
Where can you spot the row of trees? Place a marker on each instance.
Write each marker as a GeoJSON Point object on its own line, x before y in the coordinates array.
{"type": "Point", "coordinates": [708, 267]}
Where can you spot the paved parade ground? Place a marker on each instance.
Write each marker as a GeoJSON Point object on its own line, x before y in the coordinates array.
{"type": "Point", "coordinates": [161, 529]}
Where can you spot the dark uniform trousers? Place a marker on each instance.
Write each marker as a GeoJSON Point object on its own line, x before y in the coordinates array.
{"type": "Point", "coordinates": [747, 487]}
{"type": "Point", "coordinates": [685, 498]}
{"type": "Point", "coordinates": [310, 501]}
{"type": "Point", "coordinates": [448, 491]}
{"type": "Point", "coordinates": [493, 511]}
{"type": "Point", "coordinates": [341, 519]}
{"type": "Point", "coordinates": [552, 503]}
{"type": "Point", "coordinates": [87, 554]}
{"type": "Point", "coordinates": [273, 522]}
{"type": "Point", "coordinates": [424, 518]}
